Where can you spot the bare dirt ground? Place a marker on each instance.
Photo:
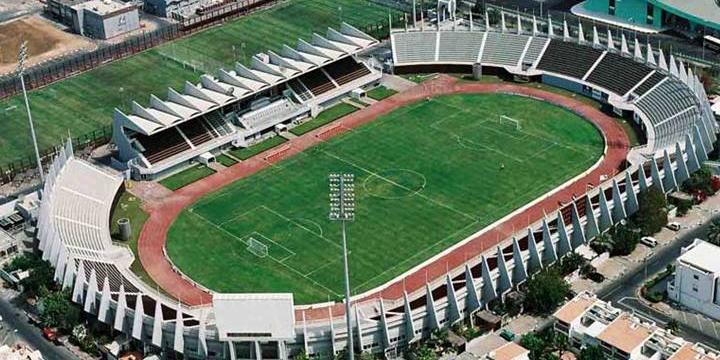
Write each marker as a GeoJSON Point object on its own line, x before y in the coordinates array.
{"type": "Point", "coordinates": [11, 9]}
{"type": "Point", "coordinates": [45, 41]}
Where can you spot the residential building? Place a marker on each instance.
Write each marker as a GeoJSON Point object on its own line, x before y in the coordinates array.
{"type": "Point", "coordinates": [696, 279]}
{"type": "Point", "coordinates": [589, 321]}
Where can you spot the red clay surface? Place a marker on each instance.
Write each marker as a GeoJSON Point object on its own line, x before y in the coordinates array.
{"type": "Point", "coordinates": [164, 211]}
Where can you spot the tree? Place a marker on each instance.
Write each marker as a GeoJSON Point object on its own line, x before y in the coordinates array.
{"type": "Point", "coordinates": [545, 291]}
{"type": "Point", "coordinates": [673, 326]}
{"type": "Point", "coordinates": [625, 240]}
{"type": "Point", "coordinates": [535, 344]}
{"type": "Point", "coordinates": [587, 269]}
{"type": "Point", "coordinates": [713, 234]}
{"type": "Point", "coordinates": [602, 244]}
{"type": "Point", "coordinates": [420, 352]}
{"type": "Point", "coordinates": [571, 262]}
{"type": "Point", "coordinates": [700, 180]}
{"type": "Point", "coordinates": [40, 280]}
{"type": "Point", "coordinates": [591, 353]}
{"type": "Point", "coordinates": [302, 355]}
{"type": "Point", "coordinates": [56, 310]}
{"type": "Point", "coordinates": [652, 213]}
{"type": "Point", "coordinates": [559, 344]}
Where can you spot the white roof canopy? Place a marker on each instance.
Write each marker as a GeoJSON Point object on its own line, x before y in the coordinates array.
{"type": "Point", "coordinates": [265, 70]}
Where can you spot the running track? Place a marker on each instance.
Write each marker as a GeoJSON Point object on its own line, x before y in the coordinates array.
{"type": "Point", "coordinates": [163, 212]}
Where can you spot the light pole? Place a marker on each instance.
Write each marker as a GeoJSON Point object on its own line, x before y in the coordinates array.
{"type": "Point", "coordinates": [22, 56]}
{"type": "Point", "coordinates": [342, 208]}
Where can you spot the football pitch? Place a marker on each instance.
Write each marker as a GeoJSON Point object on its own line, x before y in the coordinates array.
{"type": "Point", "coordinates": [426, 176]}
{"type": "Point", "coordinates": [84, 103]}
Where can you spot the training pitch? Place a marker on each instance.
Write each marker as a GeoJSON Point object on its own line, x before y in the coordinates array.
{"type": "Point", "coordinates": [426, 176]}
{"type": "Point", "coordinates": [84, 103]}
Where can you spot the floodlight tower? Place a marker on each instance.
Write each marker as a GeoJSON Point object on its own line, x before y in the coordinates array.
{"type": "Point", "coordinates": [342, 208]}
{"type": "Point", "coordinates": [22, 56]}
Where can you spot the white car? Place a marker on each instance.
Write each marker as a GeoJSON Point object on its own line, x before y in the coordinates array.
{"type": "Point", "coordinates": [674, 226]}
{"type": "Point", "coordinates": [649, 241]}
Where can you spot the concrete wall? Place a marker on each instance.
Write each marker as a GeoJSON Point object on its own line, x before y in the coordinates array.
{"type": "Point", "coordinates": [695, 289]}
{"type": "Point", "coordinates": [105, 28]}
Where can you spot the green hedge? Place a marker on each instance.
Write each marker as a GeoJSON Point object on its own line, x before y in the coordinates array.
{"type": "Point", "coordinates": [186, 177]}
{"type": "Point", "coordinates": [248, 152]}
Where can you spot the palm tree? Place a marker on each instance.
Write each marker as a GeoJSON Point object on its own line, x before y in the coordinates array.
{"type": "Point", "coordinates": [602, 244]}
{"type": "Point", "coordinates": [713, 234]}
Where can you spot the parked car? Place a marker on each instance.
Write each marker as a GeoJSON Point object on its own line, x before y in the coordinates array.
{"type": "Point", "coordinates": [649, 241]}
{"type": "Point", "coordinates": [674, 226]}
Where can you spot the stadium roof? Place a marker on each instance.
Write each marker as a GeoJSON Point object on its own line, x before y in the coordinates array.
{"type": "Point", "coordinates": [245, 316]}
{"type": "Point", "coordinates": [265, 71]}
{"type": "Point", "coordinates": [706, 12]}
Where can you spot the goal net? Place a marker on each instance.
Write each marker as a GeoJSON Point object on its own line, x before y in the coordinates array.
{"type": "Point", "coordinates": [257, 248]}
{"type": "Point", "coordinates": [504, 119]}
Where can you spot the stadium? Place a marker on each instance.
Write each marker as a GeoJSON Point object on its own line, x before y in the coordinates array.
{"type": "Point", "coordinates": [464, 188]}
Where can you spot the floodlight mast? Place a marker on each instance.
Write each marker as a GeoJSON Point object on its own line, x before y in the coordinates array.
{"type": "Point", "coordinates": [22, 57]}
{"type": "Point", "coordinates": [342, 208]}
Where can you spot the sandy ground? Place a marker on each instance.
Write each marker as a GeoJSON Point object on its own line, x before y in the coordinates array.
{"type": "Point", "coordinates": [45, 41]}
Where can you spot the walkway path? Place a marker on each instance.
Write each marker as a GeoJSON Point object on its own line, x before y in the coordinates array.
{"type": "Point", "coordinates": [164, 211]}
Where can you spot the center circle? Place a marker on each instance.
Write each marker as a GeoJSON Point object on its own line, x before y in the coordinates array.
{"type": "Point", "coordinates": [393, 184]}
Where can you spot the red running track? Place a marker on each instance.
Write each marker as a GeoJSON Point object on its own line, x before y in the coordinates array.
{"type": "Point", "coordinates": [163, 212]}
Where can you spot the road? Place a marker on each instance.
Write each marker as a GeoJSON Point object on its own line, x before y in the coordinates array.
{"type": "Point", "coordinates": [623, 291]}
{"type": "Point", "coordinates": [14, 318]}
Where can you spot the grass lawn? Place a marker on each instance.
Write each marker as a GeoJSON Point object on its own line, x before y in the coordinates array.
{"type": "Point", "coordinates": [267, 144]}
{"type": "Point", "coordinates": [225, 160]}
{"type": "Point", "coordinates": [380, 93]}
{"type": "Point", "coordinates": [426, 176]}
{"type": "Point", "coordinates": [129, 207]}
{"type": "Point", "coordinates": [83, 103]}
{"type": "Point", "coordinates": [186, 177]}
{"type": "Point", "coordinates": [327, 116]}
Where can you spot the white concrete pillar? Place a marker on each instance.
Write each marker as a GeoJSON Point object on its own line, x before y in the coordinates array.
{"type": "Point", "coordinates": [138, 317]}
{"type": "Point", "coordinates": [119, 322]}
{"type": "Point", "coordinates": [104, 302]}
{"type": "Point", "coordinates": [519, 271]}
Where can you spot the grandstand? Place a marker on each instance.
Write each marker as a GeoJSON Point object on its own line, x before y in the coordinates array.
{"type": "Point", "coordinates": [625, 81]}
{"type": "Point", "coordinates": [223, 111]}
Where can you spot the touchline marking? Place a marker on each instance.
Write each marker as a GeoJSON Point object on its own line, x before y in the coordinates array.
{"type": "Point", "coordinates": [416, 254]}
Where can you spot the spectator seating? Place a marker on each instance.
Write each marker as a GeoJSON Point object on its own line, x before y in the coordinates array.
{"type": "Point", "coordinates": [649, 83]}
{"type": "Point", "coordinates": [460, 46]}
{"type": "Point", "coordinates": [569, 59]}
{"type": "Point", "coordinates": [415, 47]}
{"type": "Point", "coordinates": [346, 70]}
{"type": "Point", "coordinates": [300, 89]}
{"type": "Point", "coordinates": [217, 124]}
{"type": "Point", "coordinates": [162, 145]}
{"type": "Point", "coordinates": [537, 44]}
{"type": "Point", "coordinates": [114, 275]}
{"type": "Point", "coordinates": [617, 73]}
{"type": "Point", "coordinates": [671, 108]}
{"type": "Point", "coordinates": [503, 49]}
{"type": "Point", "coordinates": [317, 82]}
{"type": "Point", "coordinates": [196, 131]}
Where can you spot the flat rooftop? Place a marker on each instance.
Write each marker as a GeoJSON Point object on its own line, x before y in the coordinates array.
{"type": "Point", "coordinates": [705, 10]}
{"type": "Point", "coordinates": [103, 7]}
{"type": "Point", "coordinates": [575, 308]}
{"type": "Point", "coordinates": [625, 333]}
{"type": "Point", "coordinates": [704, 256]}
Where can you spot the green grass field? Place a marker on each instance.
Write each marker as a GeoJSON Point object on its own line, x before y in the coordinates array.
{"type": "Point", "coordinates": [267, 144]}
{"type": "Point", "coordinates": [427, 176]}
{"type": "Point", "coordinates": [83, 103]}
{"type": "Point", "coordinates": [380, 93]}
{"type": "Point", "coordinates": [327, 116]}
{"type": "Point", "coordinates": [186, 177]}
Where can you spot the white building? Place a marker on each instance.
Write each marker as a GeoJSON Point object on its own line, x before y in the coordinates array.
{"type": "Point", "coordinates": [697, 274]}
{"type": "Point", "coordinates": [589, 321]}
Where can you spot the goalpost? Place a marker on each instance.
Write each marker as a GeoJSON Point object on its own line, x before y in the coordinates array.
{"type": "Point", "coordinates": [257, 248]}
{"type": "Point", "coordinates": [515, 122]}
